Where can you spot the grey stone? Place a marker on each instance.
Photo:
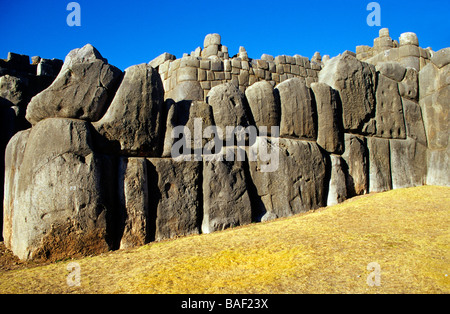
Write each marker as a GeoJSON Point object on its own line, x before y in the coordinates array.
{"type": "Point", "coordinates": [379, 165]}
{"type": "Point", "coordinates": [161, 59]}
{"type": "Point", "coordinates": [175, 197]}
{"type": "Point", "coordinates": [298, 112]}
{"type": "Point", "coordinates": [61, 204]}
{"type": "Point", "coordinates": [392, 70]}
{"type": "Point", "coordinates": [435, 111]}
{"type": "Point", "coordinates": [13, 161]}
{"type": "Point", "coordinates": [409, 38]}
{"type": "Point", "coordinates": [330, 134]}
{"type": "Point", "coordinates": [226, 202]}
{"type": "Point", "coordinates": [189, 90]}
{"type": "Point", "coordinates": [408, 163]}
{"type": "Point", "coordinates": [264, 106]}
{"type": "Point", "coordinates": [299, 182]}
{"type": "Point", "coordinates": [438, 172]}
{"type": "Point", "coordinates": [133, 198]}
{"type": "Point", "coordinates": [441, 58]}
{"type": "Point", "coordinates": [414, 121]}
{"type": "Point", "coordinates": [82, 90]}
{"type": "Point", "coordinates": [409, 87]}
{"type": "Point", "coordinates": [356, 83]}
{"type": "Point", "coordinates": [211, 39]}
{"type": "Point", "coordinates": [389, 109]}
{"type": "Point", "coordinates": [355, 156]}
{"type": "Point", "coordinates": [337, 189]}
{"type": "Point", "coordinates": [229, 106]}
{"type": "Point", "coordinates": [134, 119]}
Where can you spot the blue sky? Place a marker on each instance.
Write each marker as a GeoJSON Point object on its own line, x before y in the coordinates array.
{"type": "Point", "coordinates": [132, 32]}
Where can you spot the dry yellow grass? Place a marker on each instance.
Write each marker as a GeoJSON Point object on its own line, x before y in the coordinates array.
{"type": "Point", "coordinates": [327, 251]}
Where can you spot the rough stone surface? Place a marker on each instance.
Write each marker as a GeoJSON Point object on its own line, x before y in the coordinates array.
{"type": "Point", "coordinates": [355, 156]}
{"type": "Point", "coordinates": [330, 135]}
{"type": "Point", "coordinates": [356, 83]}
{"type": "Point", "coordinates": [133, 198]}
{"type": "Point", "coordinates": [379, 165]}
{"type": "Point", "coordinates": [337, 190]}
{"type": "Point", "coordinates": [297, 185]}
{"type": "Point", "coordinates": [264, 105]}
{"type": "Point", "coordinates": [175, 196]}
{"type": "Point", "coordinates": [61, 207]}
{"type": "Point", "coordinates": [441, 58]}
{"type": "Point", "coordinates": [390, 122]}
{"type": "Point", "coordinates": [414, 121]}
{"type": "Point", "coordinates": [408, 163]}
{"type": "Point", "coordinates": [392, 70]}
{"type": "Point", "coordinates": [437, 172]}
{"type": "Point", "coordinates": [226, 202]}
{"type": "Point", "coordinates": [133, 123]}
{"type": "Point", "coordinates": [298, 112]}
{"type": "Point", "coordinates": [409, 87]}
{"type": "Point", "coordinates": [13, 161]}
{"type": "Point", "coordinates": [229, 106]}
{"type": "Point", "coordinates": [82, 90]}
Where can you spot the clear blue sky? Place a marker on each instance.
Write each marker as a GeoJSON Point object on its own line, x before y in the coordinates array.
{"type": "Point", "coordinates": [132, 32]}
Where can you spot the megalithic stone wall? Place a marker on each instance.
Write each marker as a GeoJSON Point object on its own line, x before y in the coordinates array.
{"type": "Point", "coordinates": [99, 172]}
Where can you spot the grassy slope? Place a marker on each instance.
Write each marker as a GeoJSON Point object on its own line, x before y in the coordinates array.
{"type": "Point", "coordinates": [327, 251]}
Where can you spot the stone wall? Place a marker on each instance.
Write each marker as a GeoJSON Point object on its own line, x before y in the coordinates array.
{"type": "Point", "coordinates": [96, 173]}
{"type": "Point", "coordinates": [406, 51]}
{"type": "Point", "coordinates": [194, 75]}
{"type": "Point", "coordinates": [20, 80]}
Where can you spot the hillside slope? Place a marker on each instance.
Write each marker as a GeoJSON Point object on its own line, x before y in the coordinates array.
{"type": "Point", "coordinates": [327, 251]}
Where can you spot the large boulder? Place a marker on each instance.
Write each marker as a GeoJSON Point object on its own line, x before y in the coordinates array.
{"type": "Point", "coordinates": [61, 204]}
{"type": "Point", "coordinates": [355, 156]}
{"type": "Point", "coordinates": [82, 90]}
{"type": "Point", "coordinates": [379, 164]}
{"type": "Point", "coordinates": [229, 106]}
{"type": "Point", "coordinates": [408, 163]}
{"type": "Point", "coordinates": [226, 201]}
{"type": "Point", "coordinates": [298, 184]}
{"type": "Point", "coordinates": [175, 197]}
{"type": "Point", "coordinates": [13, 161]}
{"type": "Point", "coordinates": [298, 111]}
{"type": "Point", "coordinates": [337, 189]}
{"type": "Point", "coordinates": [133, 123]}
{"type": "Point", "coordinates": [264, 105]}
{"type": "Point", "coordinates": [133, 200]}
{"type": "Point", "coordinates": [356, 83]}
{"type": "Point", "coordinates": [330, 134]}
{"type": "Point", "coordinates": [390, 122]}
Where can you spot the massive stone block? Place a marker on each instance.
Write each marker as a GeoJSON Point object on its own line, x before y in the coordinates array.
{"type": "Point", "coordinates": [13, 161]}
{"type": "Point", "coordinates": [355, 156]}
{"type": "Point", "coordinates": [390, 122]}
{"type": "Point", "coordinates": [82, 90]}
{"type": "Point", "coordinates": [229, 106]}
{"type": "Point", "coordinates": [408, 163]}
{"type": "Point", "coordinates": [264, 104]}
{"type": "Point", "coordinates": [133, 123]}
{"type": "Point", "coordinates": [299, 182]}
{"type": "Point", "coordinates": [379, 164]}
{"type": "Point", "coordinates": [175, 197]}
{"type": "Point", "coordinates": [61, 206]}
{"type": "Point", "coordinates": [337, 189]}
{"type": "Point", "coordinates": [133, 199]}
{"type": "Point", "coordinates": [330, 134]}
{"type": "Point", "coordinates": [226, 202]}
{"type": "Point", "coordinates": [414, 121]}
{"type": "Point", "coordinates": [356, 83]}
{"type": "Point", "coordinates": [298, 111]}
